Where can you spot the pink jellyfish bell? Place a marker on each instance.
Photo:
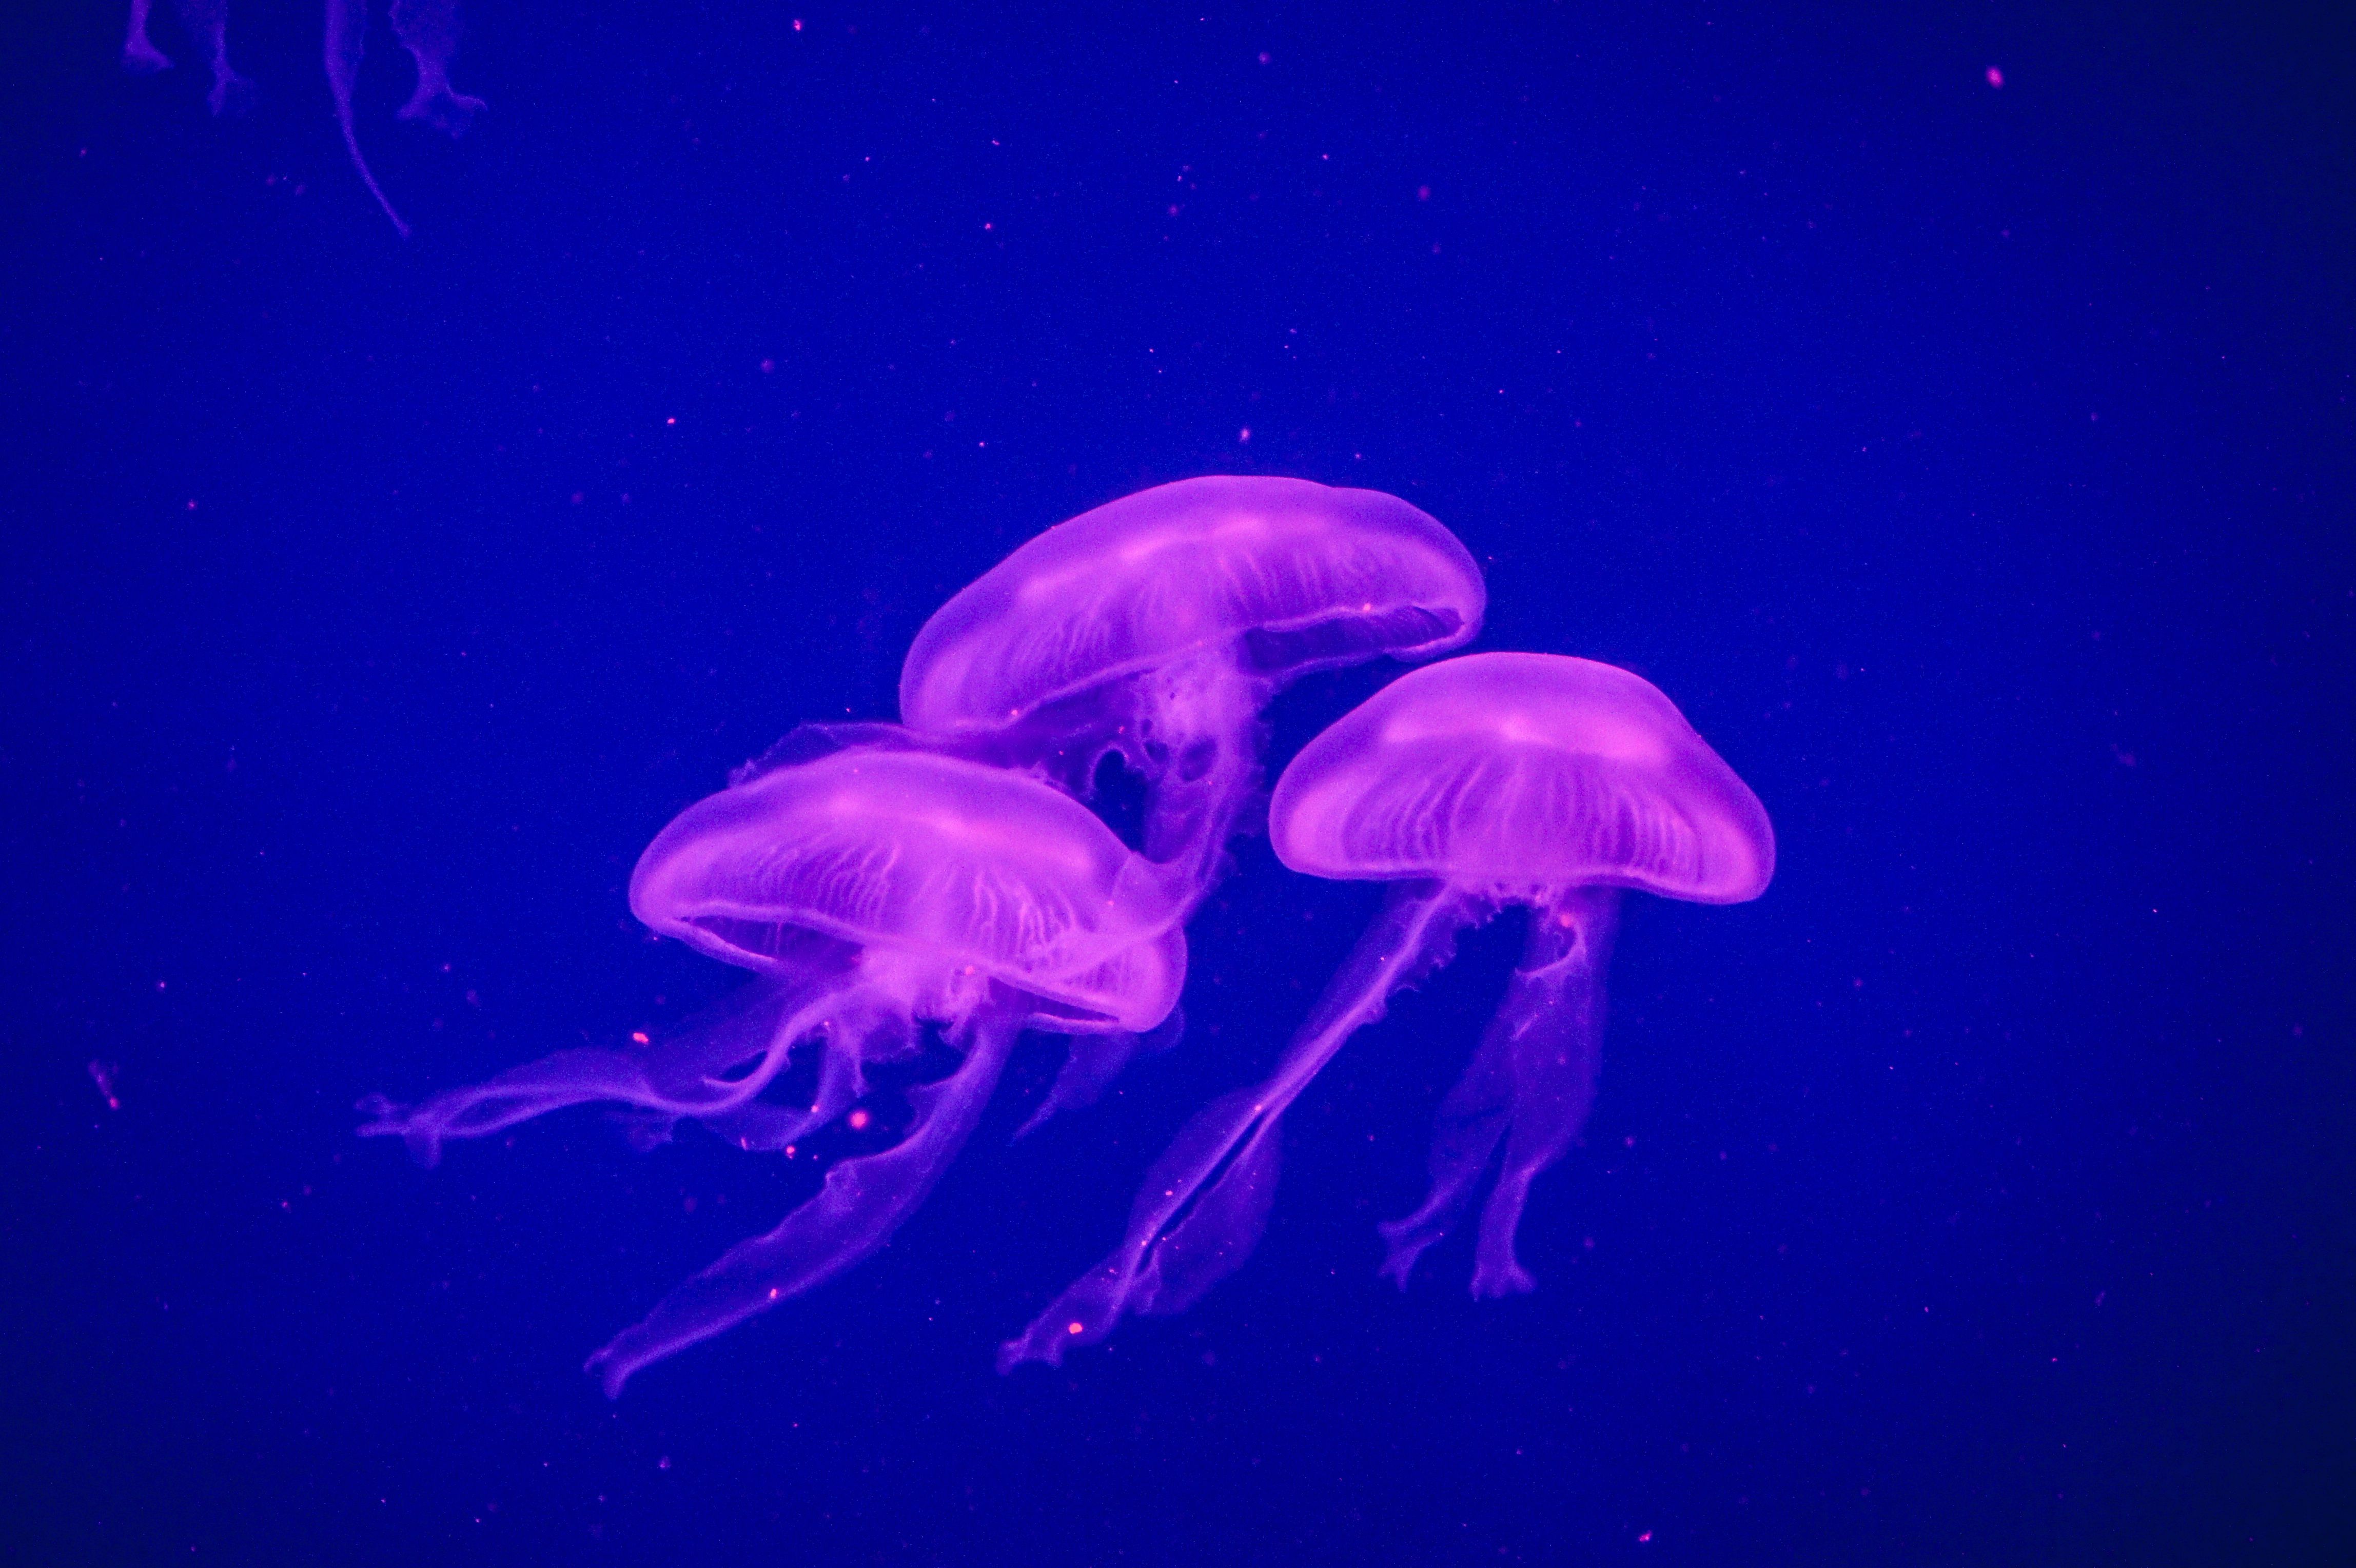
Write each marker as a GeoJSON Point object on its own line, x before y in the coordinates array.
{"type": "Point", "coordinates": [1494, 779]}
{"type": "Point", "coordinates": [876, 891]}
{"type": "Point", "coordinates": [1158, 626]}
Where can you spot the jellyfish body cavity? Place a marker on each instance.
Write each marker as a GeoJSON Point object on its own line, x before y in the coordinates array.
{"type": "Point", "coordinates": [1494, 779]}
{"type": "Point", "coordinates": [876, 892]}
{"type": "Point", "coordinates": [1157, 627]}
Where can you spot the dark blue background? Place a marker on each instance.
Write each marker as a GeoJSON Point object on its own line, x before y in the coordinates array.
{"type": "Point", "coordinates": [1972, 466]}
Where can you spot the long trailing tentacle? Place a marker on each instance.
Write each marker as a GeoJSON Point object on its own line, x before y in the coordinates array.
{"type": "Point", "coordinates": [1530, 1084]}
{"type": "Point", "coordinates": [681, 1078]}
{"type": "Point", "coordinates": [347, 42]}
{"type": "Point", "coordinates": [863, 1202]}
{"type": "Point", "coordinates": [1204, 1203]}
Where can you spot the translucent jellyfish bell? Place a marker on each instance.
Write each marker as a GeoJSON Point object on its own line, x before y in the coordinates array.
{"type": "Point", "coordinates": [877, 892]}
{"type": "Point", "coordinates": [1524, 773]}
{"type": "Point", "coordinates": [1158, 626]}
{"type": "Point", "coordinates": [973, 870]}
{"type": "Point", "coordinates": [1493, 779]}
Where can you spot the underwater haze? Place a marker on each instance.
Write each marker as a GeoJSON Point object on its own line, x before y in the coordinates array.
{"type": "Point", "coordinates": [1943, 412]}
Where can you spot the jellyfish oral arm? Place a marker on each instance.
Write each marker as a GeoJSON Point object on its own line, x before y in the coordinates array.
{"type": "Point", "coordinates": [346, 39]}
{"type": "Point", "coordinates": [1530, 1084]}
{"type": "Point", "coordinates": [1204, 1203]}
{"type": "Point", "coordinates": [863, 1202]}
{"type": "Point", "coordinates": [679, 1077]}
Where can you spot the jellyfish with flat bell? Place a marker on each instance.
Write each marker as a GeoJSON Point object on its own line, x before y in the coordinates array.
{"type": "Point", "coordinates": [875, 892]}
{"type": "Point", "coordinates": [1496, 779]}
{"type": "Point", "coordinates": [1158, 626]}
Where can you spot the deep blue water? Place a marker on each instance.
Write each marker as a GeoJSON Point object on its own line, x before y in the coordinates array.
{"type": "Point", "coordinates": [1972, 466]}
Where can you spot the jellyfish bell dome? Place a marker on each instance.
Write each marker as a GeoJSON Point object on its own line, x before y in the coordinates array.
{"type": "Point", "coordinates": [1518, 772]}
{"type": "Point", "coordinates": [932, 868]}
{"type": "Point", "coordinates": [1290, 575]}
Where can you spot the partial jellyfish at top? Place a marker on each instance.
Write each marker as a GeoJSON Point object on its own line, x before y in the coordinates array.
{"type": "Point", "coordinates": [1157, 627]}
{"type": "Point", "coordinates": [1494, 779]}
{"type": "Point", "coordinates": [428, 29]}
{"type": "Point", "coordinates": [883, 896]}
{"type": "Point", "coordinates": [207, 24]}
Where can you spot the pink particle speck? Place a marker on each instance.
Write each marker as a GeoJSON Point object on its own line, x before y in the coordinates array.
{"type": "Point", "coordinates": [1994, 77]}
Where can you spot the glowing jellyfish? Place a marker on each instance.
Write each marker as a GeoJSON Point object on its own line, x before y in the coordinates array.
{"type": "Point", "coordinates": [1158, 626]}
{"type": "Point", "coordinates": [877, 893]}
{"type": "Point", "coordinates": [1496, 779]}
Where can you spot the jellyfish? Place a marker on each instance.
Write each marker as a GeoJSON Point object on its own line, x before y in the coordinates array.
{"type": "Point", "coordinates": [1158, 626]}
{"type": "Point", "coordinates": [428, 29]}
{"type": "Point", "coordinates": [1496, 779]}
{"type": "Point", "coordinates": [874, 893]}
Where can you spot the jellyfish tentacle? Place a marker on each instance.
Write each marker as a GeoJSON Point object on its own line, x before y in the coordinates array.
{"type": "Point", "coordinates": [346, 41]}
{"type": "Point", "coordinates": [1232, 1141]}
{"type": "Point", "coordinates": [755, 1125]}
{"type": "Point", "coordinates": [863, 1202]}
{"type": "Point", "coordinates": [590, 1074]}
{"type": "Point", "coordinates": [1553, 1013]}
